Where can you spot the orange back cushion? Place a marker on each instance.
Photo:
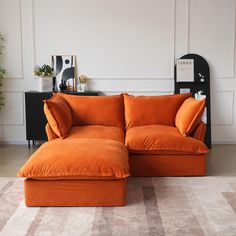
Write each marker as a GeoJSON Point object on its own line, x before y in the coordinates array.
{"type": "Point", "coordinates": [58, 114]}
{"type": "Point", "coordinates": [150, 110]}
{"type": "Point", "coordinates": [96, 110]}
{"type": "Point", "coordinates": [189, 115]}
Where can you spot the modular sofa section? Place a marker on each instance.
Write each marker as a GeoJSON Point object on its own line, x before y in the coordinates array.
{"type": "Point", "coordinates": [74, 192]}
{"type": "Point", "coordinates": [77, 172]}
{"type": "Point", "coordinates": [167, 165]}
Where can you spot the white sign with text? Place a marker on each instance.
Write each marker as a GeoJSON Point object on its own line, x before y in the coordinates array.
{"type": "Point", "coordinates": [185, 70]}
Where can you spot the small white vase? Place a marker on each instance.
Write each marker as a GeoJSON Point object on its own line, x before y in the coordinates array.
{"type": "Point", "coordinates": [83, 87]}
{"type": "Point", "coordinates": [45, 84]}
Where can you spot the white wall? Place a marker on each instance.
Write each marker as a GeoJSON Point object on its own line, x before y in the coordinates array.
{"type": "Point", "coordinates": [123, 45]}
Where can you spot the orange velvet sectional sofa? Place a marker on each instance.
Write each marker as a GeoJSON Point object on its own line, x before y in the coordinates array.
{"type": "Point", "coordinates": [95, 143]}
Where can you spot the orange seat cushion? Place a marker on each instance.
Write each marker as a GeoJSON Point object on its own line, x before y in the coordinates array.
{"type": "Point", "coordinates": [150, 110]}
{"type": "Point", "coordinates": [97, 131]}
{"type": "Point", "coordinates": [58, 115]}
{"type": "Point", "coordinates": [96, 110]}
{"type": "Point", "coordinates": [189, 115]}
{"type": "Point", "coordinates": [76, 159]}
{"type": "Point", "coordinates": [160, 139]}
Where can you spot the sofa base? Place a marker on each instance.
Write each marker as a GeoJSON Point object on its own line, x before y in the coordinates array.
{"type": "Point", "coordinates": [74, 192]}
{"type": "Point", "coordinates": [167, 165]}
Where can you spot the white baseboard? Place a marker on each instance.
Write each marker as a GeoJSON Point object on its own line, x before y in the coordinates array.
{"type": "Point", "coordinates": [18, 142]}
{"type": "Point", "coordinates": [219, 141]}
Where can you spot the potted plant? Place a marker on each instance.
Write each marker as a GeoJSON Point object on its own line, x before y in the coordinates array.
{"type": "Point", "coordinates": [83, 80]}
{"type": "Point", "coordinates": [45, 75]}
{"type": "Point", "coordinates": [2, 72]}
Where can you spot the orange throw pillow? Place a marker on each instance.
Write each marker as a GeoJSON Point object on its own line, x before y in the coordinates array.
{"type": "Point", "coordinates": [58, 115]}
{"type": "Point", "coordinates": [189, 115]}
{"type": "Point", "coordinates": [152, 110]}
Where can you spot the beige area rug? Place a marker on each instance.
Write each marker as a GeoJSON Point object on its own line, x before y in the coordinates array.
{"type": "Point", "coordinates": [155, 206]}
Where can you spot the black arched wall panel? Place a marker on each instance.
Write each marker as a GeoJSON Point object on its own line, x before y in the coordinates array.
{"type": "Point", "coordinates": [201, 68]}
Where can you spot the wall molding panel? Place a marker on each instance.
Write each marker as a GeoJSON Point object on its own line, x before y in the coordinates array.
{"type": "Point", "coordinates": [222, 107]}
{"type": "Point", "coordinates": [181, 28]}
{"type": "Point", "coordinates": [133, 67]}
{"type": "Point", "coordinates": [133, 79]}
{"type": "Point", "coordinates": [34, 34]}
{"type": "Point", "coordinates": [13, 112]}
{"type": "Point", "coordinates": [217, 39]}
{"type": "Point", "coordinates": [11, 27]}
{"type": "Point", "coordinates": [137, 93]}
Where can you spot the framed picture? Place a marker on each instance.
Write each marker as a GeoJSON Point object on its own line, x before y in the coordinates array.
{"type": "Point", "coordinates": [185, 70]}
{"type": "Point", "coordinates": [64, 69]}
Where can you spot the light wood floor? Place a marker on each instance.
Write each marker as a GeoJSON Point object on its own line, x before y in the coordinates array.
{"type": "Point", "coordinates": [221, 159]}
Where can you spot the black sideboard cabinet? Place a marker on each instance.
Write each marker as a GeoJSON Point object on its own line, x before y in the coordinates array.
{"type": "Point", "coordinates": [35, 118]}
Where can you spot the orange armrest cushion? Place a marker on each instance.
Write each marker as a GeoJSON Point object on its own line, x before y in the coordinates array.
{"type": "Point", "coordinates": [50, 134]}
{"type": "Point", "coordinates": [199, 132]}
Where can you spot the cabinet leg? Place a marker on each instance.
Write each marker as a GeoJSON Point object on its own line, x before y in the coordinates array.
{"type": "Point", "coordinates": [28, 144]}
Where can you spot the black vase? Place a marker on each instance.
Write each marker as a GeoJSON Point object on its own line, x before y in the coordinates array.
{"type": "Point", "coordinates": [63, 86]}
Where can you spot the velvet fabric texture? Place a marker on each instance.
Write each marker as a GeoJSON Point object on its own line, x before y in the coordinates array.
{"type": "Point", "coordinates": [98, 132]}
{"type": "Point", "coordinates": [58, 115]}
{"type": "Point", "coordinates": [75, 192]}
{"type": "Point", "coordinates": [73, 159]}
{"type": "Point", "coordinates": [90, 131]}
{"type": "Point", "coordinates": [50, 134]}
{"type": "Point", "coordinates": [157, 139]}
{"type": "Point", "coordinates": [199, 132]}
{"type": "Point", "coordinates": [167, 165]}
{"type": "Point", "coordinates": [150, 110]}
{"type": "Point", "coordinates": [93, 110]}
{"type": "Point", "coordinates": [189, 115]}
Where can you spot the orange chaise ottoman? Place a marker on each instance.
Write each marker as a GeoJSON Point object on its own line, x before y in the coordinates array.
{"type": "Point", "coordinates": [78, 172]}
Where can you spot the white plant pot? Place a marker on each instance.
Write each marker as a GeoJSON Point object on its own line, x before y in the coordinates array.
{"type": "Point", "coordinates": [83, 87]}
{"type": "Point", "coordinates": [45, 84]}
